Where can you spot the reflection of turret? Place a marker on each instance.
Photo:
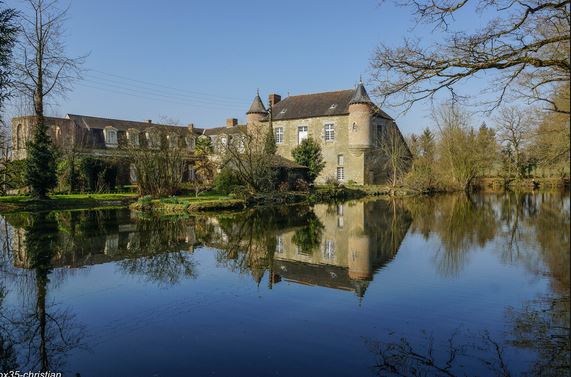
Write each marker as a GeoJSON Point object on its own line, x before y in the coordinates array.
{"type": "Point", "coordinates": [359, 258]}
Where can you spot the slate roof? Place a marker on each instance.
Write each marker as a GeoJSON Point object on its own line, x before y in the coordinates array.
{"type": "Point", "coordinates": [360, 95]}
{"type": "Point", "coordinates": [257, 106]}
{"type": "Point", "coordinates": [321, 105]}
{"type": "Point", "coordinates": [241, 128]}
{"type": "Point", "coordinates": [121, 125]}
{"type": "Point", "coordinates": [322, 275]}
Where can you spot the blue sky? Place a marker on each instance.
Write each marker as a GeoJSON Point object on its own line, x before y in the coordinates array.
{"type": "Point", "coordinates": [202, 61]}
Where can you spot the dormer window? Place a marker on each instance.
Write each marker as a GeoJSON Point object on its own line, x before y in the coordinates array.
{"type": "Point", "coordinates": [153, 139]}
{"type": "Point", "coordinates": [283, 111]}
{"type": "Point", "coordinates": [173, 141]}
{"type": "Point", "coordinates": [333, 107]}
{"type": "Point", "coordinates": [110, 136]}
{"type": "Point", "coordinates": [190, 143]}
{"type": "Point", "coordinates": [133, 137]}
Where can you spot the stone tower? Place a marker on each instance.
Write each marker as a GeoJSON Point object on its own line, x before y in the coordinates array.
{"type": "Point", "coordinates": [360, 115]}
{"type": "Point", "coordinates": [257, 111]}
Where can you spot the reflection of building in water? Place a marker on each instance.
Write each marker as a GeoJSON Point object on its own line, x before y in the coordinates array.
{"type": "Point", "coordinates": [356, 240]}
{"type": "Point", "coordinates": [337, 246]}
{"type": "Point", "coordinates": [89, 238]}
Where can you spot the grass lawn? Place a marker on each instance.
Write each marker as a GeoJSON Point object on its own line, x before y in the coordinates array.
{"type": "Point", "coordinates": [64, 201]}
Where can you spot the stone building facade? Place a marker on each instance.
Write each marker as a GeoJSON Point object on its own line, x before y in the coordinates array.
{"type": "Point", "coordinates": [350, 128]}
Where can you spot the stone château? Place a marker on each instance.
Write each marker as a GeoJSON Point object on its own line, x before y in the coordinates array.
{"type": "Point", "coordinates": [351, 129]}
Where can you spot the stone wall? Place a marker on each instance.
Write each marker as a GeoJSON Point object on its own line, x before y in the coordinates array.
{"type": "Point", "coordinates": [352, 162]}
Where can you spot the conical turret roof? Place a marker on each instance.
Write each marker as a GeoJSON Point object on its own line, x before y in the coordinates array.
{"type": "Point", "coordinates": [257, 106]}
{"type": "Point", "coordinates": [360, 95]}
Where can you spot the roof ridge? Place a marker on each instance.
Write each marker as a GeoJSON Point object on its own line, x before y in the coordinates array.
{"type": "Point", "coordinates": [125, 120]}
{"type": "Point", "coordinates": [319, 93]}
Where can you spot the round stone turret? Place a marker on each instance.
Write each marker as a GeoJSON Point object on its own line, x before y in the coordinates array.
{"type": "Point", "coordinates": [257, 111]}
{"type": "Point", "coordinates": [360, 115]}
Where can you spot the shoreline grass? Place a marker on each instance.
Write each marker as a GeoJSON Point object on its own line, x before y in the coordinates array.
{"type": "Point", "coordinates": [65, 201]}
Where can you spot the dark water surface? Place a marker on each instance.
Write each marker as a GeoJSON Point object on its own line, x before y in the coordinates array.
{"type": "Point", "coordinates": [439, 286]}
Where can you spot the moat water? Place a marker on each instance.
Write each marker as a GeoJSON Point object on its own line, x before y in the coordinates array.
{"type": "Point", "coordinates": [444, 286]}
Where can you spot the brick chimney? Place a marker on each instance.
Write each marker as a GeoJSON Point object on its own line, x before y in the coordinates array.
{"type": "Point", "coordinates": [190, 127]}
{"type": "Point", "coordinates": [149, 121]}
{"type": "Point", "coordinates": [274, 98]}
{"type": "Point", "coordinates": [231, 122]}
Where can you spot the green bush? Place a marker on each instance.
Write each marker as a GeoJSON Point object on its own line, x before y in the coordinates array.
{"type": "Point", "coordinates": [145, 199]}
{"type": "Point", "coordinates": [227, 182]}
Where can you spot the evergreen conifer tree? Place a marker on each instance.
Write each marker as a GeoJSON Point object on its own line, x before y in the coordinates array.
{"type": "Point", "coordinates": [41, 174]}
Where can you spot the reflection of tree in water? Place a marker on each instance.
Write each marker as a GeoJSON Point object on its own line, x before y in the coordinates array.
{"type": "Point", "coordinates": [158, 250]}
{"type": "Point", "coordinates": [8, 357]}
{"type": "Point", "coordinates": [533, 230]}
{"type": "Point", "coordinates": [466, 354]}
{"type": "Point", "coordinates": [462, 354]}
{"type": "Point", "coordinates": [249, 240]}
{"type": "Point", "coordinates": [308, 238]}
{"type": "Point", "coordinates": [460, 222]}
{"type": "Point", "coordinates": [543, 326]}
{"type": "Point", "coordinates": [44, 333]}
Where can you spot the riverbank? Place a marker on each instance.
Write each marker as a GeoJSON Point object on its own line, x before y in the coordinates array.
{"type": "Point", "coordinates": [218, 203]}
{"type": "Point", "coordinates": [71, 201]}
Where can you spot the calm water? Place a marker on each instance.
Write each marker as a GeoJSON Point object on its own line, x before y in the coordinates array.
{"type": "Point", "coordinates": [443, 286]}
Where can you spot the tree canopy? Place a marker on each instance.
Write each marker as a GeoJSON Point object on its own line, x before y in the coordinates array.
{"type": "Point", "coordinates": [526, 44]}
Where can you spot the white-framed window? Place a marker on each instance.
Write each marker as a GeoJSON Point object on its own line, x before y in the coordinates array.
{"type": "Point", "coordinates": [279, 134]}
{"type": "Point", "coordinates": [329, 132]}
{"type": "Point", "coordinates": [110, 136]}
{"type": "Point", "coordinates": [340, 173]}
{"type": "Point", "coordinates": [302, 134]}
{"type": "Point", "coordinates": [340, 160]}
{"type": "Point", "coordinates": [329, 250]}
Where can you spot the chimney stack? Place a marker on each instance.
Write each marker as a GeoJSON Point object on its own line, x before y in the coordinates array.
{"type": "Point", "coordinates": [274, 98]}
{"type": "Point", "coordinates": [231, 122]}
{"type": "Point", "coordinates": [190, 127]}
{"type": "Point", "coordinates": [149, 121]}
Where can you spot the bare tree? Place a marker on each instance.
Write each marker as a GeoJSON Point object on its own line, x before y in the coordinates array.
{"type": "Point", "coordinates": [159, 172]}
{"type": "Point", "coordinates": [514, 130]}
{"type": "Point", "coordinates": [245, 154]}
{"type": "Point", "coordinates": [526, 44]}
{"type": "Point", "coordinates": [395, 151]}
{"type": "Point", "coordinates": [204, 166]}
{"type": "Point", "coordinates": [456, 145]}
{"type": "Point", "coordinates": [43, 69]}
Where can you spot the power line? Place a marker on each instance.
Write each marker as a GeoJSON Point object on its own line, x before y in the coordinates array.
{"type": "Point", "coordinates": [153, 91]}
{"type": "Point", "coordinates": [167, 87]}
{"type": "Point", "coordinates": [166, 96]}
{"type": "Point", "coordinates": [107, 90]}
